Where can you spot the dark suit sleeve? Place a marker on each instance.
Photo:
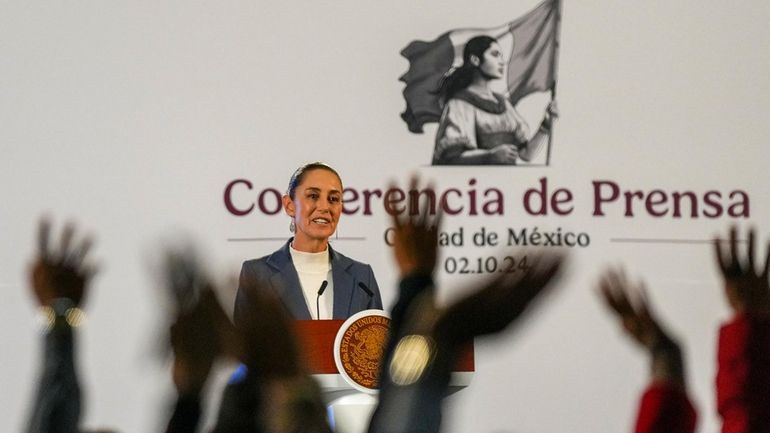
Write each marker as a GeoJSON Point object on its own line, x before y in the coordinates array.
{"type": "Point", "coordinates": [376, 301]}
{"type": "Point", "coordinates": [246, 284]}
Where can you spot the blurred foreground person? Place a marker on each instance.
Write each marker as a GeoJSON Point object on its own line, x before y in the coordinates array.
{"type": "Point", "coordinates": [665, 406]}
{"type": "Point", "coordinates": [200, 334]}
{"type": "Point", "coordinates": [59, 279]}
{"type": "Point", "coordinates": [271, 391]}
{"type": "Point", "coordinates": [425, 339]}
{"type": "Point", "coordinates": [743, 377]}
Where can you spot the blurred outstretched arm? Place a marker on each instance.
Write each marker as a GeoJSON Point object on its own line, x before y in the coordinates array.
{"type": "Point", "coordinates": [200, 333]}
{"type": "Point", "coordinates": [59, 278]}
{"type": "Point", "coordinates": [425, 339]}
{"type": "Point", "coordinates": [500, 302]}
{"type": "Point", "coordinates": [664, 407]}
{"type": "Point", "coordinates": [270, 391]}
{"type": "Point", "coordinates": [272, 385]}
{"type": "Point", "coordinates": [743, 377]}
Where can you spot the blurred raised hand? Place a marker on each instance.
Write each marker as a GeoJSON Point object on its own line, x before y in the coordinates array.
{"type": "Point", "coordinates": [288, 400]}
{"type": "Point", "coordinates": [745, 285]}
{"type": "Point", "coordinates": [59, 281]}
{"type": "Point", "coordinates": [200, 330]}
{"type": "Point", "coordinates": [271, 349]}
{"type": "Point", "coordinates": [629, 303]}
{"type": "Point", "coordinates": [743, 374]}
{"type": "Point", "coordinates": [415, 240]}
{"type": "Point", "coordinates": [425, 339]}
{"type": "Point", "coordinates": [61, 271]}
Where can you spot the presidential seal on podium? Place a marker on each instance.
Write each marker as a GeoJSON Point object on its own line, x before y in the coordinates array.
{"type": "Point", "coordinates": [358, 349]}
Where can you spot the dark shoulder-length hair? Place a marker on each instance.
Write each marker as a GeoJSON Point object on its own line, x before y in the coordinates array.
{"type": "Point", "coordinates": [462, 77]}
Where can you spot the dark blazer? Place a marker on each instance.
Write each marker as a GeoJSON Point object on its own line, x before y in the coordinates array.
{"type": "Point", "coordinates": [276, 272]}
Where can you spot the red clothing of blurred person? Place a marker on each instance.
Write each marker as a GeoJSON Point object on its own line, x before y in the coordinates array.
{"type": "Point", "coordinates": [665, 408]}
{"type": "Point", "coordinates": [743, 386]}
{"type": "Point", "coordinates": [743, 379]}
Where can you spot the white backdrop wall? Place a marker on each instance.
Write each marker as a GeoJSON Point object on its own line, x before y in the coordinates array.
{"type": "Point", "coordinates": [132, 117]}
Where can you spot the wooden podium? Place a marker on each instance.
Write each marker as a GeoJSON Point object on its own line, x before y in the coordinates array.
{"type": "Point", "coordinates": [349, 405]}
{"type": "Point", "coordinates": [316, 341]}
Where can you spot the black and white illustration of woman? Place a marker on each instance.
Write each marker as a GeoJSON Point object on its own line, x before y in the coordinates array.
{"type": "Point", "coordinates": [479, 126]}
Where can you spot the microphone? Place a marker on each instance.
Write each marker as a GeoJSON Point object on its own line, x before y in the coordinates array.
{"type": "Point", "coordinates": [366, 290]}
{"type": "Point", "coordinates": [318, 299]}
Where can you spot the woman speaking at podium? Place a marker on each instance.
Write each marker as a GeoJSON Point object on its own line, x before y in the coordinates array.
{"type": "Point", "coordinates": [312, 279]}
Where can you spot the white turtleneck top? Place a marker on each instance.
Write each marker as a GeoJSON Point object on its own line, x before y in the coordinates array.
{"type": "Point", "coordinates": [313, 269]}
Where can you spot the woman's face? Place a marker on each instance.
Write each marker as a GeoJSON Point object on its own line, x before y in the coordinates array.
{"type": "Point", "coordinates": [492, 63]}
{"type": "Point", "coordinates": [316, 209]}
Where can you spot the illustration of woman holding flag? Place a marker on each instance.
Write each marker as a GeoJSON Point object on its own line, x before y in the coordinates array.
{"type": "Point", "coordinates": [478, 126]}
{"type": "Point", "coordinates": [450, 79]}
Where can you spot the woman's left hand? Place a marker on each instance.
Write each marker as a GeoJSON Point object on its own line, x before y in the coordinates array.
{"type": "Point", "coordinates": [551, 113]}
{"type": "Point", "coordinates": [552, 109]}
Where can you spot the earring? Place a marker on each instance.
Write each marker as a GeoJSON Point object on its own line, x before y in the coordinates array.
{"type": "Point", "coordinates": [292, 226]}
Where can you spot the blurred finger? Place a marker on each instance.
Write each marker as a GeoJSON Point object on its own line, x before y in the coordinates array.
{"type": "Point", "coordinates": [604, 293]}
{"type": "Point", "coordinates": [620, 289]}
{"type": "Point", "coordinates": [643, 294]}
{"type": "Point", "coordinates": [426, 208]}
{"type": "Point", "coordinates": [435, 222]}
{"type": "Point", "coordinates": [545, 268]}
{"type": "Point", "coordinates": [513, 291]}
{"type": "Point", "coordinates": [88, 271]}
{"type": "Point", "coordinates": [614, 283]}
{"type": "Point", "coordinates": [413, 212]}
{"type": "Point", "coordinates": [79, 253]}
{"type": "Point", "coordinates": [552, 265]}
{"type": "Point", "coordinates": [43, 237]}
{"type": "Point", "coordinates": [608, 294]}
{"type": "Point", "coordinates": [719, 252]}
{"type": "Point", "coordinates": [623, 280]}
{"type": "Point", "coordinates": [68, 232]}
{"type": "Point", "coordinates": [643, 303]}
{"type": "Point", "coordinates": [414, 180]}
{"type": "Point", "coordinates": [395, 217]}
{"type": "Point", "coordinates": [624, 306]}
{"type": "Point", "coordinates": [734, 263]}
{"type": "Point", "coordinates": [750, 265]}
{"type": "Point", "coordinates": [497, 283]}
